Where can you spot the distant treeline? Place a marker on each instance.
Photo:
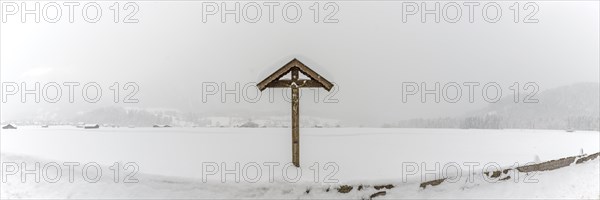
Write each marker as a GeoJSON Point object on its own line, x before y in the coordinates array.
{"type": "Point", "coordinates": [499, 122]}
{"type": "Point", "coordinates": [123, 117]}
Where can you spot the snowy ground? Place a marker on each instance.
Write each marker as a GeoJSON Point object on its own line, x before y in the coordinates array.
{"type": "Point", "coordinates": [190, 162]}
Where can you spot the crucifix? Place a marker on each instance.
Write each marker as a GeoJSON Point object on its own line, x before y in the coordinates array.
{"type": "Point", "coordinates": [295, 83]}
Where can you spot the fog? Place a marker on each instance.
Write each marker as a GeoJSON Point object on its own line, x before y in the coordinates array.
{"type": "Point", "coordinates": [170, 54]}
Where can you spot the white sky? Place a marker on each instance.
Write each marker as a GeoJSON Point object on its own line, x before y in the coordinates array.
{"type": "Point", "coordinates": [368, 54]}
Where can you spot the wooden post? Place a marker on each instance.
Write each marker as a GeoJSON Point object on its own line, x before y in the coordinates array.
{"type": "Point", "coordinates": [274, 81]}
{"type": "Point", "coordinates": [295, 120]}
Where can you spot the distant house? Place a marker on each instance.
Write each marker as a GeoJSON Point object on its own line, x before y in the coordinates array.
{"type": "Point", "coordinates": [249, 125]}
{"type": "Point", "coordinates": [91, 126]}
{"type": "Point", "coordinates": [45, 126]}
{"type": "Point", "coordinates": [161, 126]}
{"type": "Point", "coordinates": [9, 126]}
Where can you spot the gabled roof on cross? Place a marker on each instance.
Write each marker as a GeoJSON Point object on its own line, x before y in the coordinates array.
{"type": "Point", "coordinates": [273, 80]}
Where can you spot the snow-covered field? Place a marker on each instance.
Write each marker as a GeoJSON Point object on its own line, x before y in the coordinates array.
{"type": "Point", "coordinates": [201, 162]}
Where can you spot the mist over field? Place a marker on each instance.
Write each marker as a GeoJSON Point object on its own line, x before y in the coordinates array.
{"type": "Point", "coordinates": [299, 100]}
{"type": "Point", "coordinates": [175, 58]}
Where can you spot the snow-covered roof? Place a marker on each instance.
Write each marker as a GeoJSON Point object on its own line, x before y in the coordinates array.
{"type": "Point", "coordinates": [308, 62]}
{"type": "Point", "coordinates": [302, 67]}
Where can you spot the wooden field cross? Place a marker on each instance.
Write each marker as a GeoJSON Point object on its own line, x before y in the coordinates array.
{"type": "Point", "coordinates": [274, 81]}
